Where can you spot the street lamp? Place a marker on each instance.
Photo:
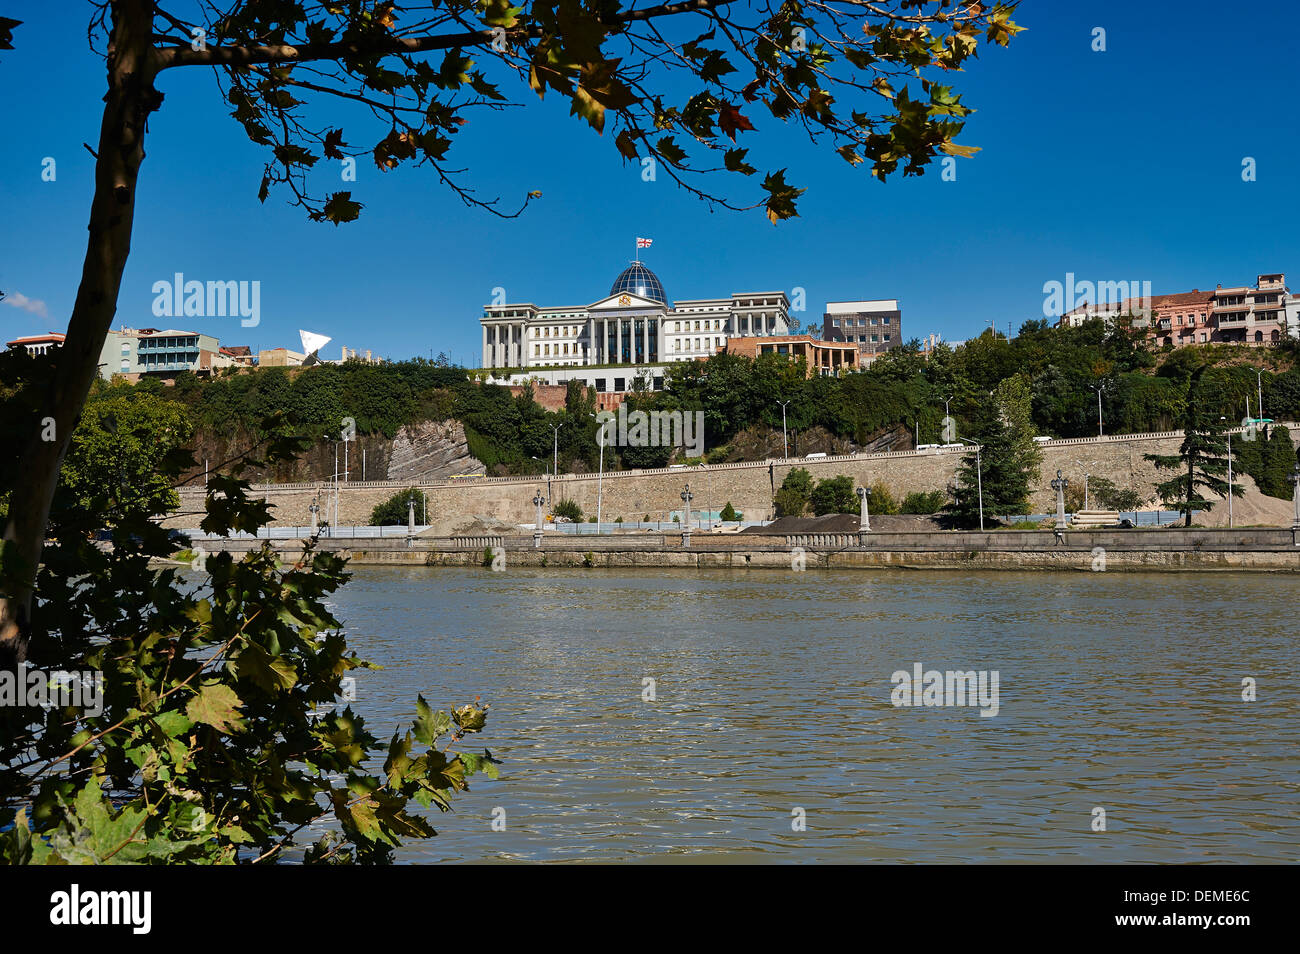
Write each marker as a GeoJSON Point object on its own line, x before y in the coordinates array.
{"type": "Point", "coordinates": [687, 497]}
{"type": "Point", "coordinates": [1059, 485]}
{"type": "Point", "coordinates": [1295, 501]}
{"type": "Point", "coordinates": [538, 502]}
{"type": "Point", "coordinates": [600, 475]}
{"type": "Point", "coordinates": [785, 443]}
{"type": "Point", "coordinates": [979, 477]}
{"type": "Point", "coordinates": [864, 518]}
{"type": "Point", "coordinates": [1259, 382]}
{"type": "Point", "coordinates": [314, 509]}
{"type": "Point", "coordinates": [1224, 419]}
{"type": "Point", "coordinates": [1098, 388]}
{"type": "Point", "coordinates": [1084, 467]}
{"type": "Point", "coordinates": [555, 447]}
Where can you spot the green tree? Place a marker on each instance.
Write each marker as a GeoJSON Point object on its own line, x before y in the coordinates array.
{"type": "Point", "coordinates": [1203, 456]}
{"type": "Point", "coordinates": [833, 495]}
{"type": "Point", "coordinates": [118, 458]}
{"type": "Point", "coordinates": [729, 513]}
{"type": "Point", "coordinates": [394, 510]}
{"type": "Point", "coordinates": [792, 496]}
{"type": "Point", "coordinates": [1279, 460]}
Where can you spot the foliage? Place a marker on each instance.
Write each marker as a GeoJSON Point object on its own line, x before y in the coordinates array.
{"type": "Point", "coordinates": [223, 733]}
{"type": "Point", "coordinates": [833, 495]}
{"type": "Point", "coordinates": [395, 510]}
{"type": "Point", "coordinates": [729, 513]}
{"type": "Point", "coordinates": [569, 510]}
{"type": "Point", "coordinates": [1204, 453]}
{"type": "Point", "coordinates": [793, 494]}
{"type": "Point", "coordinates": [846, 77]}
{"type": "Point", "coordinates": [923, 501]}
{"type": "Point", "coordinates": [883, 501]}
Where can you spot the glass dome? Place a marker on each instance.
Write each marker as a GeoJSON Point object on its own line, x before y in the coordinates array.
{"type": "Point", "coordinates": [636, 279]}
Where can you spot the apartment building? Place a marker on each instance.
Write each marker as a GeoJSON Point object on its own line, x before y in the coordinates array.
{"type": "Point", "coordinates": [874, 326]}
{"type": "Point", "coordinates": [137, 352]}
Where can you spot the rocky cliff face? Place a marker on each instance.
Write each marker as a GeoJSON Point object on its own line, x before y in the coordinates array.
{"type": "Point", "coordinates": [431, 449]}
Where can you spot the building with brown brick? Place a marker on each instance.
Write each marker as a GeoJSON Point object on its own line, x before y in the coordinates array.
{"type": "Point", "coordinates": [874, 326]}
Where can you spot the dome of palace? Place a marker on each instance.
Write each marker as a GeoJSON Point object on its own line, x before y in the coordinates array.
{"type": "Point", "coordinates": [636, 279]}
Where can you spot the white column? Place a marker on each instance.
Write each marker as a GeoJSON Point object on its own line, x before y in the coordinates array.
{"type": "Point", "coordinates": [588, 358]}
{"type": "Point", "coordinates": [645, 337]}
{"type": "Point", "coordinates": [510, 344]}
{"type": "Point", "coordinates": [487, 359]}
{"type": "Point", "coordinates": [618, 340]}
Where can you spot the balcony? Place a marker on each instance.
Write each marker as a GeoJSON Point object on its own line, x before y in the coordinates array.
{"type": "Point", "coordinates": [1236, 319]}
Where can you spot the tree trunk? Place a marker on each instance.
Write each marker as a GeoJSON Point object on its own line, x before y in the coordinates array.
{"type": "Point", "coordinates": [131, 97]}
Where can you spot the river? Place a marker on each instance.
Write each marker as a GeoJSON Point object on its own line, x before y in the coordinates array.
{"type": "Point", "coordinates": [772, 737]}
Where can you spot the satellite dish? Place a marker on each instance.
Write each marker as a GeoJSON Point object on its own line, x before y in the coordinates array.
{"type": "Point", "coordinates": [311, 344]}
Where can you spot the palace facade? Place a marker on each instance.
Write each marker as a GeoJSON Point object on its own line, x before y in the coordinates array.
{"type": "Point", "coordinates": [633, 325]}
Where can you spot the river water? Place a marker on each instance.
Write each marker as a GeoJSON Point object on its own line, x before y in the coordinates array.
{"type": "Point", "coordinates": [772, 736]}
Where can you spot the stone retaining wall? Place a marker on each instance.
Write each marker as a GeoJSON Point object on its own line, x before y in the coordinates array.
{"type": "Point", "coordinates": [747, 486]}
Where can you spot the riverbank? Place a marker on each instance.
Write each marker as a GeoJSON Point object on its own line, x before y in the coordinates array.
{"type": "Point", "coordinates": [1252, 549]}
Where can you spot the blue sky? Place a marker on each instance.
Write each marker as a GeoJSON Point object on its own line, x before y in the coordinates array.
{"type": "Point", "coordinates": [1116, 165]}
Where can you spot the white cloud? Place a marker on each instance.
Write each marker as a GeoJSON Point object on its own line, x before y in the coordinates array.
{"type": "Point", "coordinates": [34, 305]}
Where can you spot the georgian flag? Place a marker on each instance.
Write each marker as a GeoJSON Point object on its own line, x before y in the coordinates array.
{"type": "Point", "coordinates": [643, 243]}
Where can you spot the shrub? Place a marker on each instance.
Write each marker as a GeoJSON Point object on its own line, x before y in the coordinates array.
{"type": "Point", "coordinates": [729, 513]}
{"type": "Point", "coordinates": [883, 501]}
{"type": "Point", "coordinates": [393, 511]}
{"type": "Point", "coordinates": [790, 503]}
{"type": "Point", "coordinates": [792, 498]}
{"type": "Point", "coordinates": [834, 495]}
{"type": "Point", "coordinates": [569, 510]}
{"type": "Point", "coordinates": [923, 501]}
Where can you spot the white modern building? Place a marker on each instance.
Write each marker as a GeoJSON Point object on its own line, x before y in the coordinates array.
{"type": "Point", "coordinates": [633, 325]}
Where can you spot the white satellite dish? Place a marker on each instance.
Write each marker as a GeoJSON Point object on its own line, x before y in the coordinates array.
{"type": "Point", "coordinates": [311, 344]}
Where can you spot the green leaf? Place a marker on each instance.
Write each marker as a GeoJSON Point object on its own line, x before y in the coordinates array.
{"type": "Point", "coordinates": [216, 705]}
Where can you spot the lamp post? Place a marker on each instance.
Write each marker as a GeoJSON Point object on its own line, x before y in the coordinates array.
{"type": "Point", "coordinates": [1059, 485]}
{"type": "Point", "coordinates": [1259, 381]}
{"type": "Point", "coordinates": [410, 520]}
{"type": "Point", "coordinates": [1224, 419]}
{"type": "Point", "coordinates": [864, 514]}
{"type": "Point", "coordinates": [979, 477]}
{"type": "Point", "coordinates": [314, 510]}
{"type": "Point", "coordinates": [555, 447]}
{"type": "Point", "coordinates": [785, 443]}
{"type": "Point", "coordinates": [1295, 501]}
{"type": "Point", "coordinates": [538, 502]}
{"type": "Point", "coordinates": [600, 474]}
{"type": "Point", "coordinates": [687, 497]}
{"type": "Point", "coordinates": [1084, 467]}
{"type": "Point", "coordinates": [1099, 388]}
